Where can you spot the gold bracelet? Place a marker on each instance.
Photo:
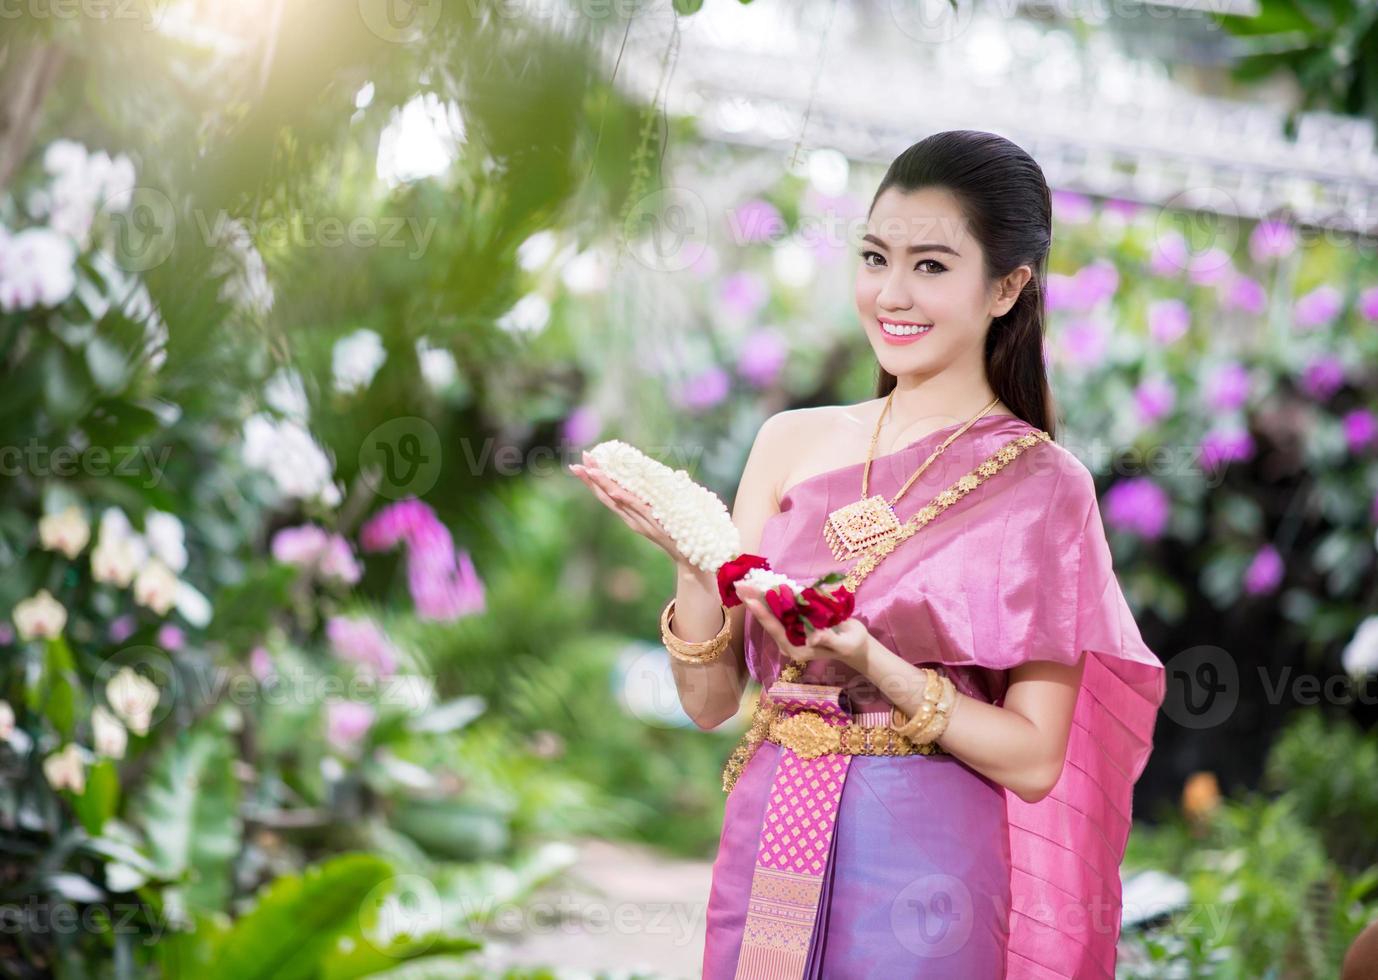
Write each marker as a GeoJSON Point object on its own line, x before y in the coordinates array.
{"type": "Point", "coordinates": [930, 720]}
{"type": "Point", "coordinates": [932, 690]}
{"type": "Point", "coordinates": [703, 652]}
{"type": "Point", "coordinates": [942, 714]}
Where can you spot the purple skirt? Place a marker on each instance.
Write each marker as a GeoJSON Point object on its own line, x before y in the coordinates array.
{"type": "Point", "coordinates": [917, 882]}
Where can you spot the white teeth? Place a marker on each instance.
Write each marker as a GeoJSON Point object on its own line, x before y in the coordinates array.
{"type": "Point", "coordinates": [905, 331]}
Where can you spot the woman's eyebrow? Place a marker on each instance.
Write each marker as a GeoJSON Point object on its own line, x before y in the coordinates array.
{"type": "Point", "coordinates": [911, 249]}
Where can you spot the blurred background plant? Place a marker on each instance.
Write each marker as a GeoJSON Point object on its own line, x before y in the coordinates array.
{"type": "Point", "coordinates": [310, 668]}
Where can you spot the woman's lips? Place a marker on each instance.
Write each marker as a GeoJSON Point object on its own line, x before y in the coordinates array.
{"type": "Point", "coordinates": [904, 340]}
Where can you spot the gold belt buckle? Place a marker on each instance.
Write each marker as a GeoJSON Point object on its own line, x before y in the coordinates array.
{"type": "Point", "coordinates": [808, 734]}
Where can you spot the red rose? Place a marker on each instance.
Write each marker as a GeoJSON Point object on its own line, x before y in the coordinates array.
{"type": "Point", "coordinates": [730, 571]}
{"type": "Point", "coordinates": [783, 604]}
{"type": "Point", "coordinates": [824, 610]}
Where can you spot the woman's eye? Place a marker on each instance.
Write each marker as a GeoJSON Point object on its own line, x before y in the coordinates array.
{"type": "Point", "coordinates": [937, 266]}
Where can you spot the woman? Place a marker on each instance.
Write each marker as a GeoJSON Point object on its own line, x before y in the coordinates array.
{"type": "Point", "coordinates": [998, 854]}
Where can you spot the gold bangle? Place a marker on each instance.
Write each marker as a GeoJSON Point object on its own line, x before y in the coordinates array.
{"type": "Point", "coordinates": [932, 729]}
{"type": "Point", "coordinates": [932, 690]}
{"type": "Point", "coordinates": [930, 720]}
{"type": "Point", "coordinates": [937, 723]}
{"type": "Point", "coordinates": [705, 651]}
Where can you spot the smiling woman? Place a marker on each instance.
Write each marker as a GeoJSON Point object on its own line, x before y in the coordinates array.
{"type": "Point", "coordinates": [988, 845]}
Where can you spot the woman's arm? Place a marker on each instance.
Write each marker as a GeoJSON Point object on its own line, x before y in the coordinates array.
{"type": "Point", "coordinates": [1021, 745]}
{"type": "Point", "coordinates": [712, 693]}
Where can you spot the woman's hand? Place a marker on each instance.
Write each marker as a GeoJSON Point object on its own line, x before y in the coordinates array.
{"type": "Point", "coordinates": [846, 642]}
{"type": "Point", "coordinates": [634, 511]}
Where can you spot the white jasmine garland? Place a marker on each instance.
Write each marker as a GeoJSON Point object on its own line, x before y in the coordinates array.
{"type": "Point", "coordinates": [695, 517]}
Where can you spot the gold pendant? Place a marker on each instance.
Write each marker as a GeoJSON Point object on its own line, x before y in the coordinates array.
{"type": "Point", "coordinates": [852, 529]}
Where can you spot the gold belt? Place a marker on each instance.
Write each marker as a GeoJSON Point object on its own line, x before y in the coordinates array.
{"type": "Point", "coordinates": [810, 735]}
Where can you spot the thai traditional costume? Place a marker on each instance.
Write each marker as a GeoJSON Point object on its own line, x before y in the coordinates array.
{"type": "Point", "coordinates": [839, 866]}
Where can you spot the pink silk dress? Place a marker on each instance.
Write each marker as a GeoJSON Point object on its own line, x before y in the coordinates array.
{"type": "Point", "coordinates": [934, 870]}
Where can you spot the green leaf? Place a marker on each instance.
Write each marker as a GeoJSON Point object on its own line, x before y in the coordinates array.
{"type": "Point", "coordinates": [189, 812]}
{"type": "Point", "coordinates": [59, 697]}
{"type": "Point", "coordinates": [107, 364]}
{"type": "Point", "coordinates": [298, 920]}
{"type": "Point", "coordinates": [102, 796]}
{"type": "Point", "coordinates": [685, 7]}
{"type": "Point", "coordinates": [463, 830]}
{"type": "Point", "coordinates": [65, 389]}
{"type": "Point", "coordinates": [363, 959]}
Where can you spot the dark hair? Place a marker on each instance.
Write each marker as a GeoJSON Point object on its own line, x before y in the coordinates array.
{"type": "Point", "coordinates": [1008, 208]}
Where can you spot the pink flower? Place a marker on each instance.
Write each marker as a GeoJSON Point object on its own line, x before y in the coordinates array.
{"type": "Point", "coordinates": [299, 545]}
{"type": "Point", "coordinates": [1170, 255]}
{"type": "Point", "coordinates": [1322, 377]}
{"type": "Point", "coordinates": [394, 523]}
{"type": "Point", "coordinates": [6, 634]}
{"type": "Point", "coordinates": [171, 637]}
{"type": "Point", "coordinates": [582, 426]}
{"type": "Point", "coordinates": [347, 722]}
{"type": "Point", "coordinates": [705, 389]}
{"type": "Point", "coordinates": [1265, 571]}
{"type": "Point", "coordinates": [1097, 281]}
{"type": "Point", "coordinates": [261, 664]}
{"type": "Point", "coordinates": [121, 628]}
{"type": "Point", "coordinates": [359, 640]}
{"type": "Point", "coordinates": [312, 547]}
{"type": "Point", "coordinates": [1226, 445]}
{"type": "Point", "coordinates": [1368, 303]}
{"type": "Point", "coordinates": [762, 356]}
{"type": "Point", "coordinates": [756, 221]}
{"type": "Point", "coordinates": [1360, 429]}
{"type": "Point", "coordinates": [743, 294]}
{"type": "Point", "coordinates": [1084, 342]}
{"type": "Point", "coordinates": [1168, 320]}
{"type": "Point", "coordinates": [442, 585]}
{"type": "Point", "coordinates": [1125, 209]}
{"type": "Point", "coordinates": [1139, 506]}
{"type": "Point", "coordinates": [1211, 267]}
{"type": "Point", "coordinates": [1081, 291]}
{"type": "Point", "coordinates": [1317, 308]}
{"type": "Point", "coordinates": [1271, 240]}
{"type": "Point", "coordinates": [1227, 387]}
{"type": "Point", "coordinates": [1239, 292]}
{"type": "Point", "coordinates": [1071, 208]}
{"type": "Point", "coordinates": [1154, 398]}
{"type": "Point", "coordinates": [338, 561]}
{"type": "Point", "coordinates": [1062, 292]}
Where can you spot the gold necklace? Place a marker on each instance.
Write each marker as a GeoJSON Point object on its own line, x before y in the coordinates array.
{"type": "Point", "coordinates": [859, 526]}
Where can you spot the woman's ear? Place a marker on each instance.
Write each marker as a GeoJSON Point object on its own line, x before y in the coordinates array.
{"type": "Point", "coordinates": [1010, 287]}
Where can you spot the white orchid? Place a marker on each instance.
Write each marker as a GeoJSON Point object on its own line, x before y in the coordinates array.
{"type": "Point", "coordinates": [40, 616]}
{"type": "Point", "coordinates": [355, 359]}
{"type": "Point", "coordinates": [108, 733]}
{"type": "Point", "coordinates": [114, 561]}
{"type": "Point", "coordinates": [37, 268]}
{"type": "Point", "coordinates": [1360, 656]}
{"type": "Point", "coordinates": [67, 531]}
{"type": "Point", "coordinates": [66, 769]}
{"type": "Point", "coordinates": [120, 551]}
{"type": "Point", "coordinates": [296, 462]}
{"type": "Point", "coordinates": [133, 698]}
{"type": "Point", "coordinates": [167, 539]}
{"type": "Point", "coordinates": [155, 587]}
{"type": "Point", "coordinates": [6, 721]}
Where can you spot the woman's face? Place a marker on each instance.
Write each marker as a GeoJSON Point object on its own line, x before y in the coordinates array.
{"type": "Point", "coordinates": [941, 282]}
